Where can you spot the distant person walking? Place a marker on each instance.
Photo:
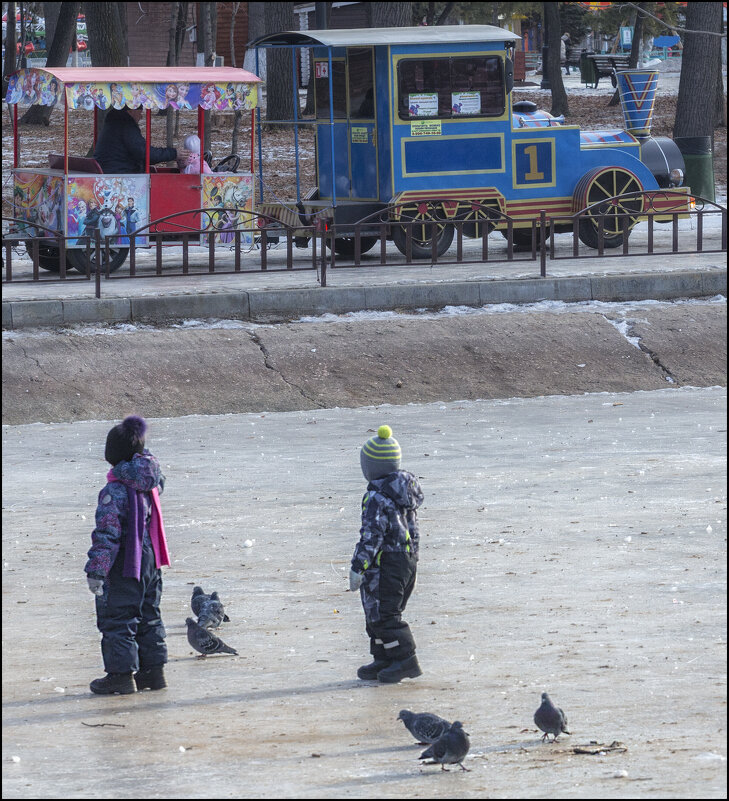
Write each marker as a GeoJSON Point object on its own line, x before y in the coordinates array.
{"type": "Point", "coordinates": [563, 43]}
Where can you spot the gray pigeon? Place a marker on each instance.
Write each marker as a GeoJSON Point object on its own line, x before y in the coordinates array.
{"type": "Point", "coordinates": [425, 727]}
{"type": "Point", "coordinates": [550, 719]}
{"type": "Point", "coordinates": [450, 749]}
{"type": "Point", "coordinates": [212, 613]}
{"type": "Point", "coordinates": [204, 642]}
{"type": "Point", "coordinates": [198, 601]}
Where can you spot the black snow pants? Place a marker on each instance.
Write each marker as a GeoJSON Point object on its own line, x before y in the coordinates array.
{"type": "Point", "coordinates": [128, 617]}
{"type": "Point", "coordinates": [385, 592]}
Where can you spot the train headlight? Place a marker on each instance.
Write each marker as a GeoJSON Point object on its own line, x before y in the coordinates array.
{"type": "Point", "coordinates": [675, 177]}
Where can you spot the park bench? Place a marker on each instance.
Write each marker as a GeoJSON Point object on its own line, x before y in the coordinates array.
{"type": "Point", "coordinates": [604, 64]}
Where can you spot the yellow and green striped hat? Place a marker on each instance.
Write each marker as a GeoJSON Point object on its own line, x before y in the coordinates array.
{"type": "Point", "coordinates": [380, 455]}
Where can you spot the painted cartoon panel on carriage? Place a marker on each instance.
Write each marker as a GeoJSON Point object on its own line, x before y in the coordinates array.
{"type": "Point", "coordinates": [38, 199]}
{"type": "Point", "coordinates": [233, 195]}
{"type": "Point", "coordinates": [30, 87]}
{"type": "Point", "coordinates": [177, 95]}
{"type": "Point", "coordinates": [115, 205]}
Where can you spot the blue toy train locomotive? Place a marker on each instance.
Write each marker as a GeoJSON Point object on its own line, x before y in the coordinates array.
{"type": "Point", "coordinates": [413, 119]}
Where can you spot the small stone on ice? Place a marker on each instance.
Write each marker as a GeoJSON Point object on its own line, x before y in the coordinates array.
{"type": "Point", "coordinates": [182, 749]}
{"type": "Point", "coordinates": [709, 529]}
{"type": "Point", "coordinates": [16, 759]}
{"type": "Point", "coordinates": [60, 689]}
{"type": "Point", "coordinates": [620, 774]}
{"type": "Point", "coordinates": [248, 543]}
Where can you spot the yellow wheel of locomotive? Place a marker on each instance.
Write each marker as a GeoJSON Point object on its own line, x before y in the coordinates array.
{"type": "Point", "coordinates": [428, 220]}
{"type": "Point", "coordinates": [476, 216]}
{"type": "Point", "coordinates": [599, 191]}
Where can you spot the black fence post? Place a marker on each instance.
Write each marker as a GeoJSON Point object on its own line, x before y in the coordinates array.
{"type": "Point", "coordinates": [264, 250]}
{"type": "Point", "coordinates": [158, 244]}
{"type": "Point", "coordinates": [699, 231]}
{"type": "Point", "coordinates": [132, 255]}
{"type": "Point", "coordinates": [62, 259]}
{"type": "Point", "coordinates": [8, 261]}
{"type": "Point", "coordinates": [35, 255]}
{"type": "Point", "coordinates": [323, 259]}
{"type": "Point", "coordinates": [543, 243]}
{"type": "Point", "coordinates": [97, 250]}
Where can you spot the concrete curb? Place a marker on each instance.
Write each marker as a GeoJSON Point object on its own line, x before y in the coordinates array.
{"type": "Point", "coordinates": [280, 305]}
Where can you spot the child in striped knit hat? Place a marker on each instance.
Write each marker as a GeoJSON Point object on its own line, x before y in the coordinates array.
{"type": "Point", "coordinates": [385, 559]}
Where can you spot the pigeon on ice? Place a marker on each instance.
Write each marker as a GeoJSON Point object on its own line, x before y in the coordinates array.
{"type": "Point", "coordinates": [450, 749]}
{"type": "Point", "coordinates": [425, 727]}
{"type": "Point", "coordinates": [550, 719]}
{"type": "Point", "coordinates": [199, 599]}
{"type": "Point", "coordinates": [204, 642]}
{"type": "Point", "coordinates": [212, 613]}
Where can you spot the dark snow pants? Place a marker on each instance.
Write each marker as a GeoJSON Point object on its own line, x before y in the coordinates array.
{"type": "Point", "coordinates": [128, 617]}
{"type": "Point", "coordinates": [385, 592]}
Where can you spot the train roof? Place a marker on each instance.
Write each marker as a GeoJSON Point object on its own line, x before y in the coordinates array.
{"type": "Point", "coordinates": [362, 37]}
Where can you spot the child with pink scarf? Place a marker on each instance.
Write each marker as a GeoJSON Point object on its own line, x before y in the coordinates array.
{"type": "Point", "coordinates": [128, 548]}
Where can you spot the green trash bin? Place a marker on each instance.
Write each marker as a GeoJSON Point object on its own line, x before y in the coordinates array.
{"type": "Point", "coordinates": [699, 161]}
{"type": "Point", "coordinates": [588, 73]}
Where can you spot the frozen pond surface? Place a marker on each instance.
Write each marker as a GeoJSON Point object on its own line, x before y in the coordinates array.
{"type": "Point", "coordinates": [570, 544]}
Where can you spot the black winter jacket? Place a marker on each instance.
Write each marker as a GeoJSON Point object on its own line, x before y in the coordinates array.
{"type": "Point", "coordinates": [121, 147]}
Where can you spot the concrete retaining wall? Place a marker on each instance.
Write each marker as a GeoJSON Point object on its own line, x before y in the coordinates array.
{"type": "Point", "coordinates": [285, 304]}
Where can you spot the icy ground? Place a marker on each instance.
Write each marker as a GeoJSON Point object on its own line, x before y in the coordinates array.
{"type": "Point", "coordinates": [569, 544]}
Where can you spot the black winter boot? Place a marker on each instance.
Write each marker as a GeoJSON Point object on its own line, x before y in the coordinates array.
{"type": "Point", "coordinates": [120, 683]}
{"type": "Point", "coordinates": [151, 678]}
{"type": "Point", "coordinates": [369, 672]}
{"type": "Point", "coordinates": [406, 669]}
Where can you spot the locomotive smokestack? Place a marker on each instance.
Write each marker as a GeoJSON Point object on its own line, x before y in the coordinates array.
{"type": "Point", "coordinates": [637, 98]}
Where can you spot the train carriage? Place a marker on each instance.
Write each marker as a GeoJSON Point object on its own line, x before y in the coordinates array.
{"type": "Point", "coordinates": [73, 196]}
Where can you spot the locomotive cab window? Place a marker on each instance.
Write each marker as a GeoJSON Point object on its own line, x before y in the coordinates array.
{"type": "Point", "coordinates": [471, 86]}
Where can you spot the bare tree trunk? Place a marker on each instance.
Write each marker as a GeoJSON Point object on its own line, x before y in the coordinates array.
{"type": "Point", "coordinates": [720, 106]}
{"type": "Point", "coordinates": [560, 104]}
{"type": "Point", "coordinates": [238, 114]}
{"type": "Point", "coordinates": [65, 30]}
{"type": "Point", "coordinates": [51, 12]}
{"type": "Point", "coordinates": [57, 56]}
{"type": "Point", "coordinates": [106, 25]}
{"type": "Point", "coordinates": [10, 44]}
{"type": "Point", "coordinates": [280, 90]}
{"type": "Point", "coordinates": [178, 19]}
{"type": "Point", "coordinates": [696, 108]}
{"type": "Point", "coordinates": [391, 15]}
{"type": "Point", "coordinates": [443, 18]}
{"type": "Point", "coordinates": [322, 12]}
{"type": "Point", "coordinates": [206, 35]}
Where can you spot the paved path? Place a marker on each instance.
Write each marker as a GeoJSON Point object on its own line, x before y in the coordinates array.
{"type": "Point", "coordinates": [279, 294]}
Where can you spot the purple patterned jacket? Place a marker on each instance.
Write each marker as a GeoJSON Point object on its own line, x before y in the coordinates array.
{"type": "Point", "coordinates": [143, 473]}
